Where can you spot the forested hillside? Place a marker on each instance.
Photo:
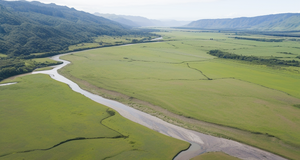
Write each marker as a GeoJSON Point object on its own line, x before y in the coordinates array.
{"type": "Point", "coordinates": [276, 22]}
{"type": "Point", "coordinates": [27, 28]}
{"type": "Point", "coordinates": [32, 27]}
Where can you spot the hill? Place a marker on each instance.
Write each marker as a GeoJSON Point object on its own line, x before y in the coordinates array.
{"type": "Point", "coordinates": [118, 19]}
{"type": "Point", "coordinates": [32, 27]}
{"type": "Point", "coordinates": [31, 30]}
{"type": "Point", "coordinates": [138, 21]}
{"type": "Point", "coordinates": [275, 22]}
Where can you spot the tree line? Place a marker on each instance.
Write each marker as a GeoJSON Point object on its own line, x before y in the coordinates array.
{"type": "Point", "coordinates": [15, 66]}
{"type": "Point", "coordinates": [260, 39]}
{"type": "Point", "coordinates": [254, 59]}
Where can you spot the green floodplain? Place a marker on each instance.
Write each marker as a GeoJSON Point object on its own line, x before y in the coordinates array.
{"type": "Point", "coordinates": [41, 118]}
{"type": "Point", "coordinates": [214, 156]}
{"type": "Point", "coordinates": [179, 82]}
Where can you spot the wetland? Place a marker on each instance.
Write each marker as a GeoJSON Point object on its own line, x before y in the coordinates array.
{"type": "Point", "coordinates": [178, 82]}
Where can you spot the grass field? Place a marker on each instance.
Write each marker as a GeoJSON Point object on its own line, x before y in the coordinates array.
{"type": "Point", "coordinates": [43, 69]}
{"type": "Point", "coordinates": [42, 63]}
{"type": "Point", "coordinates": [44, 60]}
{"type": "Point", "coordinates": [3, 55]}
{"type": "Point", "coordinates": [180, 77]}
{"type": "Point", "coordinates": [214, 156]}
{"type": "Point", "coordinates": [207, 41]}
{"type": "Point", "coordinates": [107, 41]}
{"type": "Point", "coordinates": [44, 119]}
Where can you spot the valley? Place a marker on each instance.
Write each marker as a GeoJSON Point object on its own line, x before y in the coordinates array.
{"type": "Point", "coordinates": [122, 86]}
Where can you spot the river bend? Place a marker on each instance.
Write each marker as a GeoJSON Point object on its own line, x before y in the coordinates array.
{"type": "Point", "coordinates": [200, 143]}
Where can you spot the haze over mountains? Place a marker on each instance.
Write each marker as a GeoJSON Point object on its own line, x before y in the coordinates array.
{"type": "Point", "coordinates": [275, 22]}
{"type": "Point", "coordinates": [138, 21]}
{"type": "Point", "coordinates": [33, 27]}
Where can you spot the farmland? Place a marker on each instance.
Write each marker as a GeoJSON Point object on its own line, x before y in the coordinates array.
{"type": "Point", "coordinates": [179, 82]}
{"type": "Point", "coordinates": [44, 119]}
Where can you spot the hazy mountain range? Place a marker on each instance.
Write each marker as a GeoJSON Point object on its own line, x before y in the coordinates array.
{"type": "Point", "coordinates": [33, 27]}
{"type": "Point", "coordinates": [138, 21]}
{"type": "Point", "coordinates": [275, 22]}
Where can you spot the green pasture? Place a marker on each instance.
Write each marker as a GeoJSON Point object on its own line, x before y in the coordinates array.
{"type": "Point", "coordinates": [226, 42]}
{"type": "Point", "coordinates": [106, 41]}
{"type": "Point", "coordinates": [38, 113]}
{"type": "Point", "coordinates": [175, 75]}
{"type": "Point", "coordinates": [3, 55]}
{"type": "Point", "coordinates": [43, 68]}
{"type": "Point", "coordinates": [215, 156]}
{"type": "Point", "coordinates": [44, 60]}
{"type": "Point", "coordinates": [38, 53]}
{"type": "Point", "coordinates": [84, 45]}
{"type": "Point", "coordinates": [42, 63]}
{"type": "Point", "coordinates": [282, 79]}
{"type": "Point", "coordinates": [117, 39]}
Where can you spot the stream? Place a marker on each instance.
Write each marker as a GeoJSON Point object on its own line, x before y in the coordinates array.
{"type": "Point", "coordinates": [200, 143]}
{"type": "Point", "coordinates": [7, 84]}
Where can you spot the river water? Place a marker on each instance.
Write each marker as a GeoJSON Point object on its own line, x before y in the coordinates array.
{"type": "Point", "coordinates": [7, 84]}
{"type": "Point", "coordinates": [200, 143]}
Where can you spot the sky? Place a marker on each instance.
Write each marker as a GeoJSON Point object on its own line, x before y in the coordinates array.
{"type": "Point", "coordinates": [188, 10]}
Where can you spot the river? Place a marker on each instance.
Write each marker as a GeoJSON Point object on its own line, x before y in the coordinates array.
{"type": "Point", "coordinates": [7, 84]}
{"type": "Point", "coordinates": [200, 143]}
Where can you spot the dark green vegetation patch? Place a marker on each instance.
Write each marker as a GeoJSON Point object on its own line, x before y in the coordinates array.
{"type": "Point", "coordinates": [260, 39]}
{"type": "Point", "coordinates": [254, 59]}
{"type": "Point", "coordinates": [297, 106]}
{"type": "Point", "coordinates": [15, 66]}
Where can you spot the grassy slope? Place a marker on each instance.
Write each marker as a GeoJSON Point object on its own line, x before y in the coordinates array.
{"type": "Point", "coordinates": [158, 73]}
{"type": "Point", "coordinates": [38, 113]}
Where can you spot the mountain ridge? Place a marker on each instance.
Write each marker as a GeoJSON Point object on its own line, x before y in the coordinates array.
{"type": "Point", "coordinates": [273, 22]}
{"type": "Point", "coordinates": [139, 21]}
{"type": "Point", "coordinates": [33, 27]}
